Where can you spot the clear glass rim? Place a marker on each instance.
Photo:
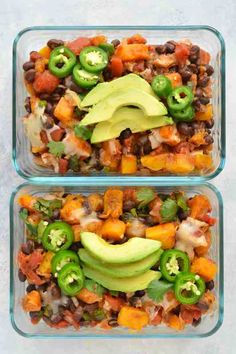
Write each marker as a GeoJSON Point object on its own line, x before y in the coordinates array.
{"type": "Point", "coordinates": [127, 335]}
{"type": "Point", "coordinates": [108, 179]}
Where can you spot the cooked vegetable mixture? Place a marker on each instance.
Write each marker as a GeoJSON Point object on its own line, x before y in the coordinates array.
{"type": "Point", "coordinates": [124, 106]}
{"type": "Point", "coordinates": [130, 257]}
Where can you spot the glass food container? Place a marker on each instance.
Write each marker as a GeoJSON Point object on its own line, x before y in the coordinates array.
{"type": "Point", "coordinates": [20, 320]}
{"type": "Point", "coordinates": [35, 37]}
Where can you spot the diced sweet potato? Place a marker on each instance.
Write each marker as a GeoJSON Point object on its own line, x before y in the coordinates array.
{"type": "Point", "coordinates": [45, 52]}
{"type": "Point", "coordinates": [64, 111]}
{"type": "Point", "coordinates": [113, 203]}
{"type": "Point", "coordinates": [202, 161]}
{"type": "Point", "coordinates": [175, 322]}
{"type": "Point", "coordinates": [72, 211]}
{"type": "Point", "coordinates": [136, 38]}
{"type": "Point", "coordinates": [198, 138]}
{"type": "Point", "coordinates": [95, 201]}
{"type": "Point", "coordinates": [175, 78]}
{"type": "Point", "coordinates": [204, 267]}
{"type": "Point", "coordinates": [131, 52]}
{"type": "Point", "coordinates": [98, 40]}
{"type": "Point", "coordinates": [76, 229]}
{"type": "Point", "coordinates": [40, 65]}
{"type": "Point", "coordinates": [133, 318]}
{"type": "Point", "coordinates": [113, 229]}
{"type": "Point", "coordinates": [199, 205]}
{"type": "Point", "coordinates": [205, 115]}
{"type": "Point", "coordinates": [128, 164]}
{"type": "Point", "coordinates": [165, 233]}
{"type": "Point", "coordinates": [32, 301]}
{"type": "Point", "coordinates": [88, 296]}
{"type": "Point", "coordinates": [45, 267]}
{"type": "Point", "coordinates": [155, 162]}
{"type": "Point", "coordinates": [180, 163]}
{"type": "Point", "coordinates": [27, 201]}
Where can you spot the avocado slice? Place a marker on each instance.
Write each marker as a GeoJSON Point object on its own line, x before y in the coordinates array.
{"type": "Point", "coordinates": [131, 251]}
{"type": "Point", "coordinates": [120, 270]}
{"type": "Point", "coordinates": [139, 282]}
{"type": "Point", "coordinates": [104, 89]}
{"type": "Point", "coordinates": [105, 109]}
{"type": "Point", "coordinates": [127, 117]}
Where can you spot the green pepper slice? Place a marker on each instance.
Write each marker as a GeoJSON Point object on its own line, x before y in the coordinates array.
{"type": "Point", "coordinates": [62, 258]}
{"type": "Point", "coordinates": [107, 47]}
{"type": "Point", "coordinates": [93, 59]}
{"type": "Point", "coordinates": [57, 236]}
{"type": "Point", "coordinates": [180, 98]}
{"type": "Point", "coordinates": [71, 279]}
{"type": "Point", "coordinates": [189, 288]}
{"type": "Point", "coordinates": [185, 115]}
{"type": "Point", "coordinates": [161, 85]}
{"type": "Point", "coordinates": [84, 78]}
{"type": "Point", "coordinates": [61, 61]}
{"type": "Point", "coordinates": [172, 263]}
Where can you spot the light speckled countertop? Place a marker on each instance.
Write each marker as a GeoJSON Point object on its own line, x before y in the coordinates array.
{"type": "Point", "coordinates": [16, 15]}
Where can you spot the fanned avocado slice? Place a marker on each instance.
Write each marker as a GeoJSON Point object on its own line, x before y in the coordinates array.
{"type": "Point", "coordinates": [104, 89]}
{"type": "Point", "coordinates": [139, 282]}
{"type": "Point", "coordinates": [127, 117]}
{"type": "Point", "coordinates": [105, 109]}
{"type": "Point", "coordinates": [120, 270]}
{"type": "Point", "coordinates": [131, 251]}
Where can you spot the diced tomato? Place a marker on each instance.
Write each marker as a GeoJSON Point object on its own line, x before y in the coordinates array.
{"type": "Point", "coordinates": [61, 324]}
{"type": "Point", "coordinates": [209, 220]}
{"type": "Point", "coordinates": [45, 82]}
{"type": "Point", "coordinates": [190, 313]}
{"type": "Point", "coordinates": [115, 302]}
{"type": "Point", "coordinates": [181, 53]}
{"type": "Point", "coordinates": [116, 66]}
{"type": "Point", "coordinates": [204, 57]}
{"type": "Point", "coordinates": [63, 166]}
{"type": "Point", "coordinates": [57, 134]}
{"type": "Point", "coordinates": [78, 44]}
{"type": "Point", "coordinates": [44, 137]}
{"type": "Point", "coordinates": [28, 265]}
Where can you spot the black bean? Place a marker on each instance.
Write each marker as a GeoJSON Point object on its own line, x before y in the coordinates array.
{"type": "Point", "coordinates": [202, 306]}
{"type": "Point", "coordinates": [43, 287]}
{"type": "Point", "coordinates": [160, 49]}
{"type": "Point", "coordinates": [56, 214]}
{"type": "Point", "coordinates": [56, 292]}
{"type": "Point", "coordinates": [176, 310]}
{"type": "Point", "coordinates": [90, 308]}
{"type": "Point", "coordinates": [49, 123]}
{"type": "Point", "coordinates": [107, 75]}
{"type": "Point", "coordinates": [140, 293]}
{"type": "Point", "coordinates": [134, 300]}
{"type": "Point", "coordinates": [209, 70]}
{"type": "Point", "coordinates": [209, 140]}
{"type": "Point", "coordinates": [185, 128]}
{"type": "Point", "coordinates": [30, 288]}
{"type": "Point", "coordinates": [84, 323]}
{"type": "Point", "coordinates": [209, 123]}
{"type": "Point", "coordinates": [75, 246]}
{"type": "Point", "coordinates": [21, 276]}
{"type": "Point", "coordinates": [194, 53]}
{"type": "Point", "coordinates": [147, 147]}
{"type": "Point", "coordinates": [174, 69]}
{"type": "Point", "coordinates": [56, 318]}
{"type": "Point", "coordinates": [182, 215]}
{"type": "Point", "coordinates": [28, 65]}
{"type": "Point", "coordinates": [44, 96]}
{"type": "Point", "coordinates": [61, 309]}
{"type": "Point", "coordinates": [113, 322]}
{"type": "Point", "coordinates": [204, 100]}
{"type": "Point", "coordinates": [55, 97]}
{"type": "Point", "coordinates": [193, 68]}
{"type": "Point", "coordinates": [197, 125]}
{"type": "Point", "coordinates": [186, 75]}
{"type": "Point", "coordinates": [70, 84]}
{"type": "Point", "coordinates": [27, 247]}
{"type": "Point", "coordinates": [210, 285]}
{"type": "Point", "coordinates": [115, 42]}
{"type": "Point", "coordinates": [203, 81]}
{"type": "Point", "coordinates": [53, 43]}
{"type": "Point", "coordinates": [49, 108]}
{"type": "Point", "coordinates": [170, 47]}
{"type": "Point", "coordinates": [30, 75]}
{"type": "Point", "coordinates": [196, 322]}
{"type": "Point", "coordinates": [72, 306]}
{"type": "Point", "coordinates": [28, 105]}
{"type": "Point", "coordinates": [197, 105]}
{"type": "Point", "coordinates": [122, 295]}
{"type": "Point", "coordinates": [60, 90]}
{"type": "Point", "coordinates": [125, 134]}
{"type": "Point", "coordinates": [198, 92]}
{"type": "Point", "coordinates": [149, 220]}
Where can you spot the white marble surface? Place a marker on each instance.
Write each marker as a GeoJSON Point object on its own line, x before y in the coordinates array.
{"type": "Point", "coordinates": [17, 14]}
